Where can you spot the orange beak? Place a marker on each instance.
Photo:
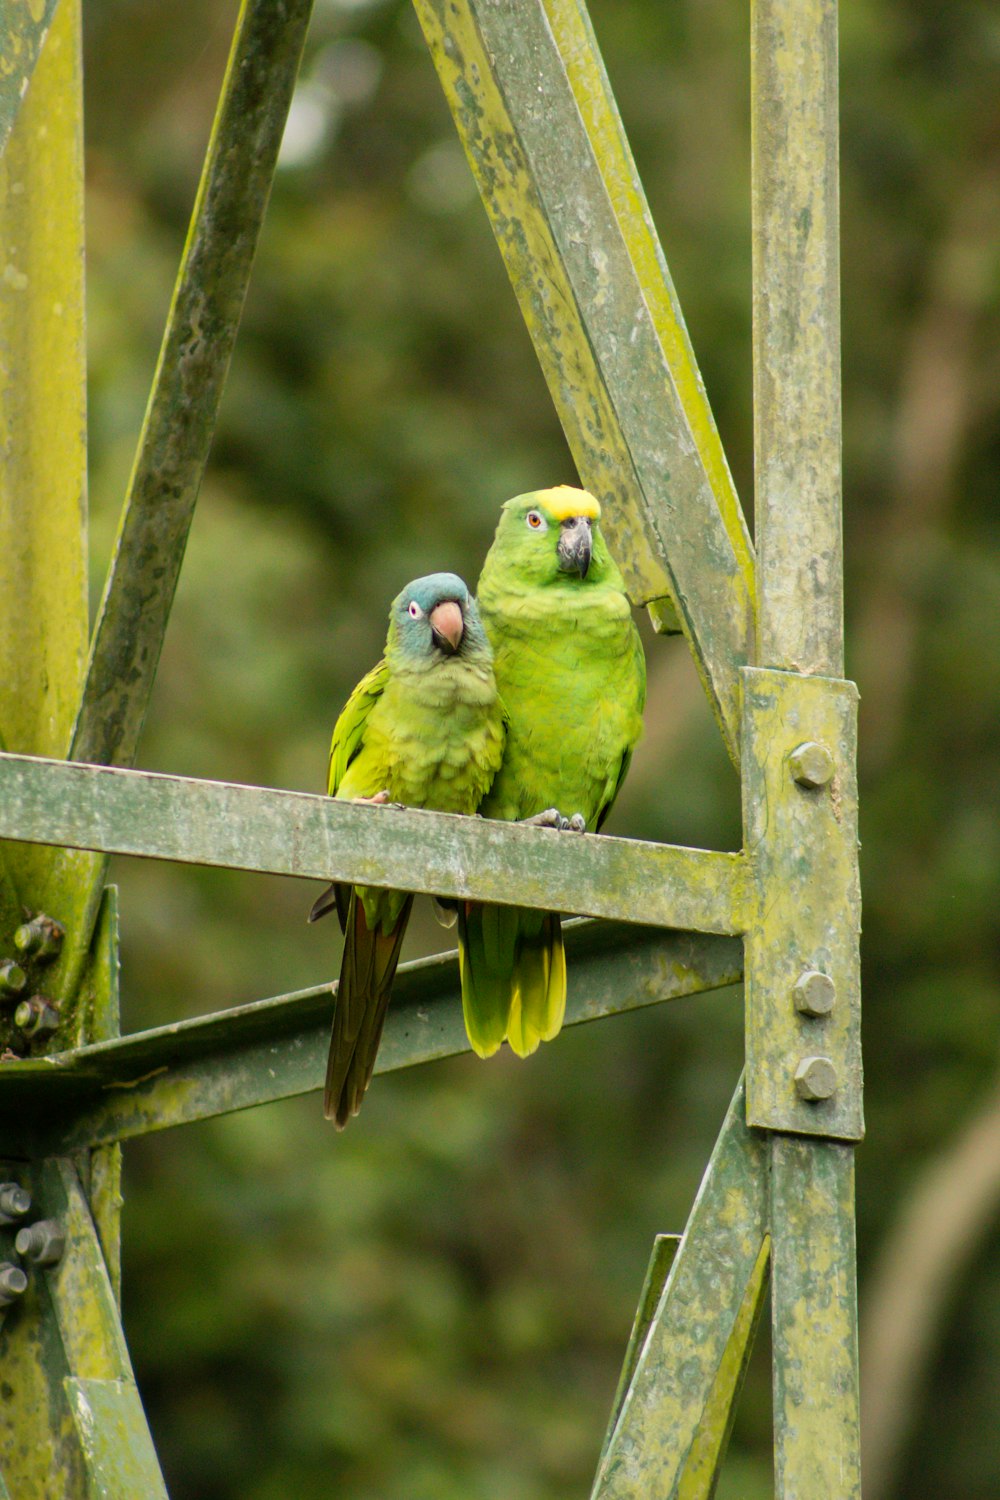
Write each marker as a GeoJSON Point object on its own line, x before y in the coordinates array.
{"type": "Point", "coordinates": [447, 624]}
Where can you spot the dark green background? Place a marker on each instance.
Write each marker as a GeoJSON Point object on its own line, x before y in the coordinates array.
{"type": "Point", "coordinates": [434, 1305]}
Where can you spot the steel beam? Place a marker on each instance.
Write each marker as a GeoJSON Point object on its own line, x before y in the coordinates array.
{"type": "Point", "coordinates": [275, 1049]}
{"type": "Point", "coordinates": [531, 103]}
{"type": "Point", "coordinates": [294, 833]}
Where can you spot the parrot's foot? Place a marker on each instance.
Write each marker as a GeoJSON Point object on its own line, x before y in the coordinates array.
{"type": "Point", "coordinates": [553, 818]}
{"type": "Point", "coordinates": [380, 799]}
{"type": "Point", "coordinates": [550, 818]}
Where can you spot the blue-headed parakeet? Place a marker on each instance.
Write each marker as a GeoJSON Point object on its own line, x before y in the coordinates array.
{"type": "Point", "coordinates": [425, 728]}
{"type": "Point", "coordinates": [570, 670]}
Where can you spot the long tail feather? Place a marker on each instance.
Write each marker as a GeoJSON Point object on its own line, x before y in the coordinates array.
{"type": "Point", "coordinates": [366, 975]}
{"type": "Point", "coordinates": [487, 936]}
{"type": "Point", "coordinates": [539, 1003]}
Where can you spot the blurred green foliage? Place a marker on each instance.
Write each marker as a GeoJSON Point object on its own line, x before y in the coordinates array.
{"type": "Point", "coordinates": [434, 1305]}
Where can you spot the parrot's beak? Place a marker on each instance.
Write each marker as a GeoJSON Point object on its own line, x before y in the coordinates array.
{"type": "Point", "coordinates": [447, 625]}
{"type": "Point", "coordinates": [575, 545]}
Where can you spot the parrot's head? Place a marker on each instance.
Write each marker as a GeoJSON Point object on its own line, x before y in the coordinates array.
{"type": "Point", "coordinates": [551, 537]}
{"type": "Point", "coordinates": [435, 618]}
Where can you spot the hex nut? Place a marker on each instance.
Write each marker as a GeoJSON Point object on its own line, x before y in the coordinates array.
{"type": "Point", "coordinates": [815, 1079]}
{"type": "Point", "coordinates": [12, 977]}
{"type": "Point", "coordinates": [42, 1242]}
{"type": "Point", "coordinates": [814, 993]}
{"type": "Point", "coordinates": [15, 1202]}
{"type": "Point", "coordinates": [13, 1282]}
{"type": "Point", "coordinates": [36, 1016]}
{"type": "Point", "coordinates": [41, 938]}
{"type": "Point", "coordinates": [811, 765]}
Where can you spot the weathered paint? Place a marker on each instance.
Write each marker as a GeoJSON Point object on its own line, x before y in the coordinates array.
{"type": "Point", "coordinates": [190, 376]}
{"type": "Point", "coordinates": [690, 1358]}
{"type": "Point", "coordinates": [814, 1320]}
{"type": "Point", "coordinates": [665, 1247]}
{"type": "Point", "coordinates": [118, 1455]}
{"type": "Point", "coordinates": [43, 574]}
{"type": "Point", "coordinates": [275, 1049]}
{"type": "Point", "coordinates": [24, 25]}
{"type": "Point", "coordinates": [796, 311]}
{"type": "Point", "coordinates": [293, 833]}
{"type": "Point", "coordinates": [99, 1020]}
{"type": "Point", "coordinates": [708, 1451]}
{"type": "Point", "coordinates": [568, 215]}
{"type": "Point", "coordinates": [802, 847]}
{"type": "Point", "coordinates": [178, 427]}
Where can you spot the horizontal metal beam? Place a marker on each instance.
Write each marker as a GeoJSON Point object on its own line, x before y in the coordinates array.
{"type": "Point", "coordinates": [293, 833]}
{"type": "Point", "coordinates": [275, 1049]}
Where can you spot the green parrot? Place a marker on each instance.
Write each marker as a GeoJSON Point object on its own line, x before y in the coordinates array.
{"type": "Point", "coordinates": [570, 670]}
{"type": "Point", "coordinates": [426, 728]}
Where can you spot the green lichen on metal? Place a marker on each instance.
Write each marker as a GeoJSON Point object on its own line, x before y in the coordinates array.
{"type": "Point", "coordinates": [24, 25]}
{"type": "Point", "coordinates": [708, 1451]}
{"type": "Point", "coordinates": [43, 574]}
{"type": "Point", "coordinates": [796, 302]}
{"type": "Point", "coordinates": [99, 1386]}
{"type": "Point", "coordinates": [575, 235]}
{"type": "Point", "coordinates": [805, 913]}
{"type": "Point", "coordinates": [814, 1320]}
{"type": "Point", "coordinates": [187, 387]}
{"type": "Point", "coordinates": [689, 1348]}
{"type": "Point", "coordinates": [100, 1013]}
{"type": "Point", "coordinates": [292, 833]}
{"type": "Point", "coordinates": [275, 1049]}
{"type": "Point", "coordinates": [665, 1247]}
{"type": "Point", "coordinates": [62, 1334]}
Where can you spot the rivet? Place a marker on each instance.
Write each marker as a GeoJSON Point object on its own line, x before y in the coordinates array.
{"type": "Point", "coordinates": [41, 938]}
{"type": "Point", "coordinates": [15, 1202]}
{"type": "Point", "coordinates": [42, 1242]}
{"type": "Point", "coordinates": [814, 993]}
{"type": "Point", "coordinates": [13, 1282]}
{"type": "Point", "coordinates": [815, 1078]}
{"type": "Point", "coordinates": [12, 977]}
{"type": "Point", "coordinates": [36, 1016]}
{"type": "Point", "coordinates": [811, 765]}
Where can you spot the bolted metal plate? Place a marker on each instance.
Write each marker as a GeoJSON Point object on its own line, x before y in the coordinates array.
{"type": "Point", "coordinates": [804, 905]}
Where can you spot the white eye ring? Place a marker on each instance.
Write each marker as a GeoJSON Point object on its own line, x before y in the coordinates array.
{"type": "Point", "coordinates": [414, 611]}
{"type": "Point", "coordinates": [535, 521]}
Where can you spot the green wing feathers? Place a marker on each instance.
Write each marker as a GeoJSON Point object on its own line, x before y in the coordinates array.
{"type": "Point", "coordinates": [513, 972]}
{"type": "Point", "coordinates": [371, 955]}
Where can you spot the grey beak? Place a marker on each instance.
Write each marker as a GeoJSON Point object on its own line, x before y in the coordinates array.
{"type": "Point", "coordinates": [575, 545]}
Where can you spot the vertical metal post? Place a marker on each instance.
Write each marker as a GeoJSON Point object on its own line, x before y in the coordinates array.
{"type": "Point", "coordinates": [43, 574]}
{"type": "Point", "coordinates": [797, 444]}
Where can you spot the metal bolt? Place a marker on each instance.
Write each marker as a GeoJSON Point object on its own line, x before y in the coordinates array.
{"type": "Point", "coordinates": [41, 938]}
{"type": "Point", "coordinates": [811, 765]}
{"type": "Point", "coordinates": [814, 993]}
{"type": "Point", "coordinates": [815, 1078]}
{"type": "Point", "coordinates": [15, 1202]}
{"type": "Point", "coordinates": [36, 1017]}
{"type": "Point", "coordinates": [12, 1282]}
{"type": "Point", "coordinates": [42, 1242]}
{"type": "Point", "coordinates": [12, 978]}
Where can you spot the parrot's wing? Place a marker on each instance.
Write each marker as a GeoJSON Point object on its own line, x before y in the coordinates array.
{"type": "Point", "coordinates": [348, 738]}
{"type": "Point", "coordinates": [349, 730]}
{"type": "Point", "coordinates": [622, 773]}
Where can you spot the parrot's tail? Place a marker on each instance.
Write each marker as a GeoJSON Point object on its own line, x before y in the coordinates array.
{"type": "Point", "coordinates": [513, 971]}
{"type": "Point", "coordinates": [366, 975]}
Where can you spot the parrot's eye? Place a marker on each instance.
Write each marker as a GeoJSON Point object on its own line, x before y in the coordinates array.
{"type": "Point", "coordinates": [536, 521]}
{"type": "Point", "coordinates": [414, 611]}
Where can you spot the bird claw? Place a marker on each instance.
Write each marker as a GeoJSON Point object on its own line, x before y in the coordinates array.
{"type": "Point", "coordinates": [550, 818]}
{"type": "Point", "coordinates": [380, 799]}
{"type": "Point", "coordinates": [553, 818]}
